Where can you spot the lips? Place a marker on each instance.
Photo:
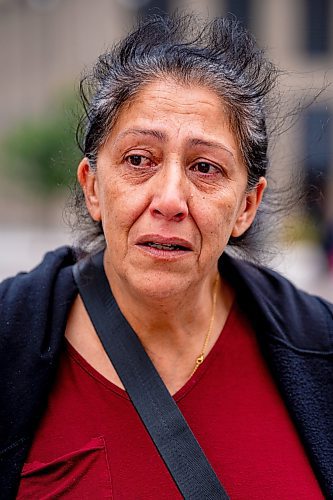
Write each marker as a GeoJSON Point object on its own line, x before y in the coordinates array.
{"type": "Point", "coordinates": [163, 243]}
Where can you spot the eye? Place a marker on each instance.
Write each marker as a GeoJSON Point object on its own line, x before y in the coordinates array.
{"type": "Point", "coordinates": [204, 167]}
{"type": "Point", "coordinates": [138, 161]}
{"type": "Point", "coordinates": [135, 160]}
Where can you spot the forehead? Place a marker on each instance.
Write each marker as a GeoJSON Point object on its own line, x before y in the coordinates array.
{"type": "Point", "coordinates": [179, 97]}
{"type": "Point", "coordinates": [177, 109]}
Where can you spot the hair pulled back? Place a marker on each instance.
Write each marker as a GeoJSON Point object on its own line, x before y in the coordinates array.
{"type": "Point", "coordinates": [220, 55]}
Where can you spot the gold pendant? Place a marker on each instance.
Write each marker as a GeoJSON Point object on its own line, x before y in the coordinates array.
{"type": "Point", "coordinates": [200, 359]}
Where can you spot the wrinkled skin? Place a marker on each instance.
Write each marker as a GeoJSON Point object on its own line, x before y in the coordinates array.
{"type": "Point", "coordinates": [169, 173]}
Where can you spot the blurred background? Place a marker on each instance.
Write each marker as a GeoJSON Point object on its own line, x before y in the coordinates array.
{"type": "Point", "coordinates": [45, 45]}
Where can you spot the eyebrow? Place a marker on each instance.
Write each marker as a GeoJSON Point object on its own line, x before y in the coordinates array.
{"type": "Point", "coordinates": [149, 132]}
{"type": "Point", "coordinates": [211, 144]}
{"type": "Point", "coordinates": [157, 134]}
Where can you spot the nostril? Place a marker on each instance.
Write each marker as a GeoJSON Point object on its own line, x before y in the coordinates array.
{"type": "Point", "coordinates": [177, 217]}
{"type": "Point", "coordinates": [155, 211]}
{"type": "Point", "coordinates": [180, 216]}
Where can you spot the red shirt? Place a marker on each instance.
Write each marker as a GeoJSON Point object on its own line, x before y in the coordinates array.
{"type": "Point", "coordinates": [92, 444]}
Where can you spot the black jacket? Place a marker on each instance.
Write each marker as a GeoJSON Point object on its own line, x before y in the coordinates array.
{"type": "Point", "coordinates": [295, 331]}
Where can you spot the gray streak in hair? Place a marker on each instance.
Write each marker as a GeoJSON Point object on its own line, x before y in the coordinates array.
{"type": "Point", "coordinates": [220, 55]}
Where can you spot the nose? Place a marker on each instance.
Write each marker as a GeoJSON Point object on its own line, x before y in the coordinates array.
{"type": "Point", "coordinates": [170, 194]}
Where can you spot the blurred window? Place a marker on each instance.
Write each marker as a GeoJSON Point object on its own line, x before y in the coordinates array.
{"type": "Point", "coordinates": [145, 7]}
{"type": "Point", "coordinates": [154, 6]}
{"type": "Point", "coordinates": [242, 9]}
{"type": "Point", "coordinates": [318, 123]}
{"type": "Point", "coordinates": [317, 26]}
{"type": "Point", "coordinates": [317, 149]}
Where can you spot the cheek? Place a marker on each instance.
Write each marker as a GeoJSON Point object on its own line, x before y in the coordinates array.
{"type": "Point", "coordinates": [122, 207]}
{"type": "Point", "coordinates": [217, 224]}
{"type": "Point", "coordinates": [216, 227]}
{"type": "Point", "coordinates": [110, 200]}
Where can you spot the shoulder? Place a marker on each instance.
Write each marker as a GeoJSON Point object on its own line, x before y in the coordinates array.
{"type": "Point", "coordinates": [273, 303]}
{"type": "Point", "coordinates": [37, 281]}
{"type": "Point", "coordinates": [34, 298]}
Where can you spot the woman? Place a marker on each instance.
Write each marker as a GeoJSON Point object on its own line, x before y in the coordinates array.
{"type": "Point", "coordinates": [174, 168]}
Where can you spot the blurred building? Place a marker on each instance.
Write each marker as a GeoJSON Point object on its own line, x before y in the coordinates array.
{"type": "Point", "coordinates": [45, 44]}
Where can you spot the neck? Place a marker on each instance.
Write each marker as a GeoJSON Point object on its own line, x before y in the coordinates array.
{"type": "Point", "coordinates": [153, 316]}
{"type": "Point", "coordinates": [173, 329]}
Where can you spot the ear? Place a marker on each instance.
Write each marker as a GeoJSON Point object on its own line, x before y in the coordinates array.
{"type": "Point", "coordinates": [88, 181]}
{"type": "Point", "coordinates": [249, 208]}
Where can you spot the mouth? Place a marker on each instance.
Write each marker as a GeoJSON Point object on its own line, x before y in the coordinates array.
{"type": "Point", "coordinates": [164, 246]}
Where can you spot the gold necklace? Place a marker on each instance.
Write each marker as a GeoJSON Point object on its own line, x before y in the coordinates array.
{"type": "Point", "coordinates": [201, 357]}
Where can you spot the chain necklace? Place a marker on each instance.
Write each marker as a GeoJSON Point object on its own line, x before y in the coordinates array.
{"type": "Point", "coordinates": [201, 357]}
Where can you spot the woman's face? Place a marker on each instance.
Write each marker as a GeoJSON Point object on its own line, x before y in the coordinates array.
{"type": "Point", "coordinates": [170, 189]}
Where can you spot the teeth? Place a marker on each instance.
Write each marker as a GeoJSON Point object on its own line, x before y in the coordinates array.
{"type": "Point", "coordinates": [159, 246]}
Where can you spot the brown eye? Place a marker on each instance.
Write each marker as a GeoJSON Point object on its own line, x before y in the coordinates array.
{"type": "Point", "coordinates": [135, 160]}
{"type": "Point", "coordinates": [203, 167]}
{"type": "Point", "coordinates": [139, 161]}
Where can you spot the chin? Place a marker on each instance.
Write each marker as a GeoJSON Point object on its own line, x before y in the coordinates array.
{"type": "Point", "coordinates": [159, 285]}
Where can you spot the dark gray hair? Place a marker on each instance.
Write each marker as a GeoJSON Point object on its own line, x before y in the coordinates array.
{"type": "Point", "coordinates": [220, 55]}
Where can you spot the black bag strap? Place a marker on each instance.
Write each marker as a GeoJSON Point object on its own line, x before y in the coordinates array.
{"type": "Point", "coordinates": [159, 412]}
